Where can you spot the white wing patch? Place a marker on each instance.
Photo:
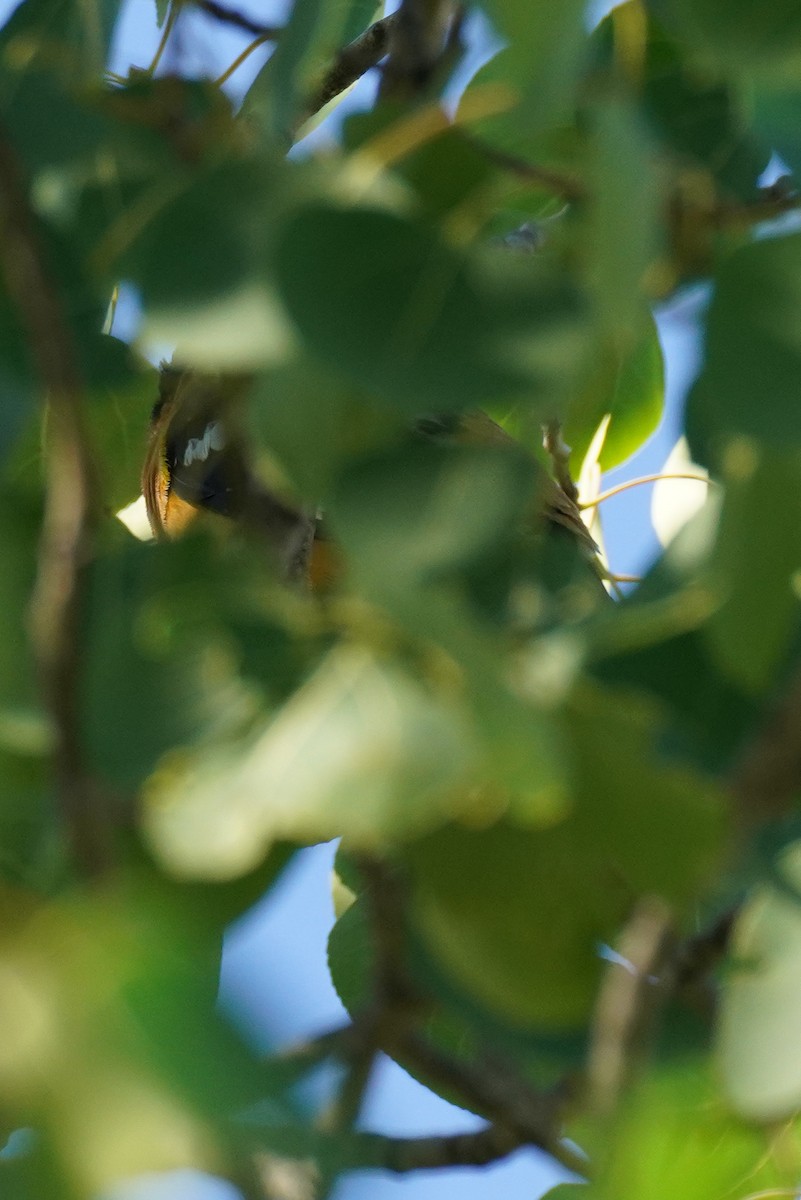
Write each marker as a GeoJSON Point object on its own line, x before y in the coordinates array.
{"type": "Point", "coordinates": [198, 449]}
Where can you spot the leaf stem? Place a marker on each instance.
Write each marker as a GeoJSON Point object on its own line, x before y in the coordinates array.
{"type": "Point", "coordinates": [268, 36]}
{"type": "Point", "coordinates": [169, 25]}
{"type": "Point", "coordinates": [631, 483]}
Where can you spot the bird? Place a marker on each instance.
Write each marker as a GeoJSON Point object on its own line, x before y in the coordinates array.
{"type": "Point", "coordinates": [196, 461]}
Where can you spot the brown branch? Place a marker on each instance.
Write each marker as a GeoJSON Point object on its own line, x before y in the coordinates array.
{"type": "Point", "coordinates": [229, 16]}
{"type": "Point", "coordinates": [394, 1000]}
{"type": "Point", "coordinates": [478, 1149]}
{"type": "Point", "coordinates": [69, 516]}
{"type": "Point", "coordinates": [294, 1148]}
{"type": "Point", "coordinates": [531, 1116]}
{"type": "Point", "coordinates": [772, 202]}
{"type": "Point", "coordinates": [634, 987]}
{"type": "Point", "coordinates": [418, 41]}
{"type": "Point", "coordinates": [352, 61]}
{"type": "Point", "coordinates": [568, 186]}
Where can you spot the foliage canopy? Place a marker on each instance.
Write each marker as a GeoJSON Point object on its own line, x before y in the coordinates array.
{"type": "Point", "coordinates": [569, 868]}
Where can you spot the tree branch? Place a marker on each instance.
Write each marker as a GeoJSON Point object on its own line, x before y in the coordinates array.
{"type": "Point", "coordinates": [417, 44]}
{"type": "Point", "coordinates": [69, 516]}
{"type": "Point", "coordinates": [569, 187]}
{"type": "Point", "coordinates": [520, 1114]}
{"type": "Point", "coordinates": [352, 61]}
{"type": "Point", "coordinates": [636, 983]}
{"type": "Point", "coordinates": [228, 16]}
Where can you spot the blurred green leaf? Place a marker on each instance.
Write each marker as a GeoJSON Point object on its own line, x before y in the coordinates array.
{"type": "Point", "coordinates": [412, 523]}
{"type": "Point", "coordinates": [738, 34]}
{"type": "Point", "coordinates": [312, 423]}
{"type": "Point", "coordinates": [628, 384]}
{"type": "Point", "coordinates": [755, 565]}
{"type": "Point", "coordinates": [107, 1011]}
{"type": "Point", "coordinates": [625, 211]}
{"type": "Point", "coordinates": [362, 750]}
{"type": "Point", "coordinates": [199, 264]}
{"type": "Point", "coordinates": [674, 1137]}
{"type": "Point", "coordinates": [163, 661]}
{"type": "Point", "coordinates": [69, 38]}
{"type": "Point", "coordinates": [748, 385]}
{"type": "Point", "coordinates": [776, 113]}
{"type": "Point", "coordinates": [412, 516]}
{"type": "Point", "coordinates": [517, 917]}
{"type": "Point", "coordinates": [700, 119]}
{"type": "Point", "coordinates": [758, 1031]}
{"type": "Point", "coordinates": [386, 301]}
{"type": "Point", "coordinates": [538, 69]}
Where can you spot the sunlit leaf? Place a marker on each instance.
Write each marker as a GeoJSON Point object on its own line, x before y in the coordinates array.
{"type": "Point", "coordinates": [362, 751]}
{"type": "Point", "coordinates": [675, 501]}
{"type": "Point", "coordinates": [627, 384]}
{"type": "Point", "coordinates": [759, 1031]}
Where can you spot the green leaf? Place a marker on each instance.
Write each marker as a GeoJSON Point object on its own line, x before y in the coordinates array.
{"type": "Point", "coordinates": [698, 119]}
{"type": "Point", "coordinates": [199, 264]}
{"type": "Point", "coordinates": [516, 917]}
{"type": "Point", "coordinates": [537, 71]}
{"type": "Point", "coordinates": [107, 1006]}
{"type": "Point", "coordinates": [776, 114]}
{"type": "Point", "coordinates": [162, 655]}
{"type": "Point", "coordinates": [361, 751]}
{"type": "Point", "coordinates": [759, 1030]}
{"type": "Point", "coordinates": [628, 384]}
{"type": "Point", "coordinates": [413, 524]}
{"type": "Point", "coordinates": [405, 315]}
{"type": "Point", "coordinates": [70, 38]}
{"type": "Point", "coordinates": [674, 1137]}
{"type": "Point", "coordinates": [312, 423]}
{"type": "Point", "coordinates": [418, 514]}
{"type": "Point", "coordinates": [456, 1023]}
{"type": "Point", "coordinates": [748, 385]}
{"type": "Point", "coordinates": [624, 218]}
{"type": "Point", "coordinates": [756, 563]}
{"type": "Point", "coordinates": [738, 34]}
{"type": "Point", "coordinates": [118, 416]}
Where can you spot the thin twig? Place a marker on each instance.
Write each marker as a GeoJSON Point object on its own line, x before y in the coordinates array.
{"type": "Point", "coordinates": [352, 61]}
{"type": "Point", "coordinates": [567, 186]}
{"type": "Point", "coordinates": [240, 58]}
{"type": "Point", "coordinates": [498, 1092]}
{"type": "Point", "coordinates": [69, 516]}
{"type": "Point", "coordinates": [169, 25]}
{"type": "Point", "coordinates": [229, 16]}
{"type": "Point", "coordinates": [393, 1000]}
{"type": "Point", "coordinates": [619, 488]}
{"type": "Point", "coordinates": [772, 202]}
